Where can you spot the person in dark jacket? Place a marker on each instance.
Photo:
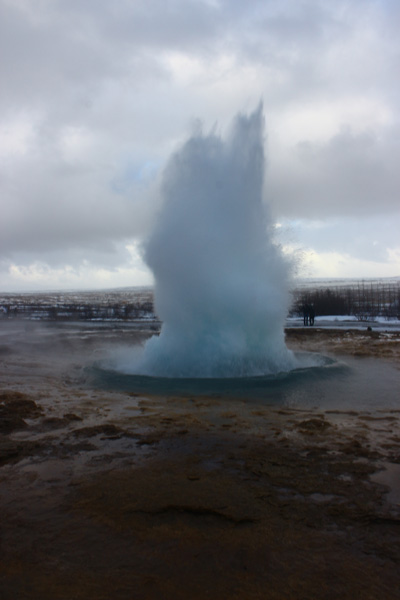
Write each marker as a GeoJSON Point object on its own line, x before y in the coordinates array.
{"type": "Point", "coordinates": [311, 314]}
{"type": "Point", "coordinates": [306, 309]}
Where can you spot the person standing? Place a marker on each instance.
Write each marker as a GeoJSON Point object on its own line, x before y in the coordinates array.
{"type": "Point", "coordinates": [305, 314]}
{"type": "Point", "coordinates": [311, 314]}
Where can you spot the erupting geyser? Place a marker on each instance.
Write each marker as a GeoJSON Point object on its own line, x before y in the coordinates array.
{"type": "Point", "coordinates": [221, 284]}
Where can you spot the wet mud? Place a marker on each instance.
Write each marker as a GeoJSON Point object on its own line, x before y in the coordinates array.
{"type": "Point", "coordinates": [355, 342]}
{"type": "Point", "coordinates": [117, 495]}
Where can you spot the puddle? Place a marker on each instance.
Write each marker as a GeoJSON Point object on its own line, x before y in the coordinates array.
{"type": "Point", "coordinates": [317, 497]}
{"type": "Point", "coordinates": [390, 477]}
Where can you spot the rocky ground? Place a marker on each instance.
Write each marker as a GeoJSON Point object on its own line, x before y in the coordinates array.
{"type": "Point", "coordinates": [108, 495]}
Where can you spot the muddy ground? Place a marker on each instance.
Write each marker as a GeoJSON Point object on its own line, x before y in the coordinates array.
{"type": "Point", "coordinates": [109, 495]}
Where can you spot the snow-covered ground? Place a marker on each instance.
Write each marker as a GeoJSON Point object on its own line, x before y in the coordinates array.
{"type": "Point", "coordinates": [347, 322]}
{"type": "Point", "coordinates": [136, 305]}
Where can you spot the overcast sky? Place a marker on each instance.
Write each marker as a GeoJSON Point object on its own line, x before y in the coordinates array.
{"type": "Point", "coordinates": [96, 94]}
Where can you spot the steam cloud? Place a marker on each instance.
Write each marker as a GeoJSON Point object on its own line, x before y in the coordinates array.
{"type": "Point", "coordinates": [221, 283]}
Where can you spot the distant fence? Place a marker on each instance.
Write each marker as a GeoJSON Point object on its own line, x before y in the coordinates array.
{"type": "Point", "coordinates": [84, 306]}
{"type": "Point", "coordinates": [362, 300]}
{"type": "Point", "coordinates": [78, 312]}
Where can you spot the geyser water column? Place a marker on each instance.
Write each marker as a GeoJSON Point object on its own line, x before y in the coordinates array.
{"type": "Point", "coordinates": [221, 284]}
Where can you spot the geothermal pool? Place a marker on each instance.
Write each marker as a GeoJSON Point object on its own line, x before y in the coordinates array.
{"type": "Point", "coordinates": [86, 354]}
{"type": "Point", "coordinates": [342, 383]}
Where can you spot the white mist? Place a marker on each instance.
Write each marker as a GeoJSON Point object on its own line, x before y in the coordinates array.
{"type": "Point", "coordinates": [221, 284]}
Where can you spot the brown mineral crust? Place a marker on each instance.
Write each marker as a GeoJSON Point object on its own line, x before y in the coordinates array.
{"type": "Point", "coordinates": [356, 342]}
{"type": "Point", "coordinates": [15, 407]}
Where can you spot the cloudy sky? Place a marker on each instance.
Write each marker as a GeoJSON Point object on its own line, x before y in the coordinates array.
{"type": "Point", "coordinates": [96, 94]}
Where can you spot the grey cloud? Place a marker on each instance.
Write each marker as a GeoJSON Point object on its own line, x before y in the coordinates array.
{"type": "Point", "coordinates": [72, 52]}
{"type": "Point", "coordinates": [101, 68]}
{"type": "Point", "coordinates": [352, 174]}
{"type": "Point", "coordinates": [366, 238]}
{"type": "Point", "coordinates": [48, 206]}
{"type": "Point", "coordinates": [65, 59]}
